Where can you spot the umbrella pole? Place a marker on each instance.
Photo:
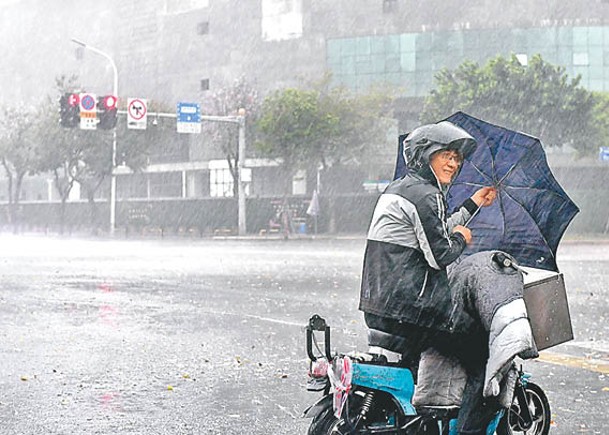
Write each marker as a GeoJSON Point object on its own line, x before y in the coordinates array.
{"type": "Point", "coordinates": [472, 216]}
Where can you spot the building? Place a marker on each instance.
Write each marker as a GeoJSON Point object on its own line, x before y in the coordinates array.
{"type": "Point", "coordinates": [169, 51]}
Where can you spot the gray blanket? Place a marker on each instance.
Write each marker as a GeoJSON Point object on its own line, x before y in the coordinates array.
{"type": "Point", "coordinates": [479, 288]}
{"type": "Point", "coordinates": [483, 292]}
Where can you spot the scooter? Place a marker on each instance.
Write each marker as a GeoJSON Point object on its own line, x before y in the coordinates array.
{"type": "Point", "coordinates": [367, 394]}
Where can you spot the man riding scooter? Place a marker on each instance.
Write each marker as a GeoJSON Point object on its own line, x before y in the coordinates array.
{"type": "Point", "coordinates": [405, 286]}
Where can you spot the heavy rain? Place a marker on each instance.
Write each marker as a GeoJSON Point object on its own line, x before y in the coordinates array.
{"type": "Point", "coordinates": [185, 183]}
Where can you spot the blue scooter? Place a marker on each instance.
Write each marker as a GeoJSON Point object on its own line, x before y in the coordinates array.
{"type": "Point", "coordinates": [366, 394]}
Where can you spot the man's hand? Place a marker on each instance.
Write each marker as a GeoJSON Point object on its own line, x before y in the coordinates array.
{"type": "Point", "coordinates": [467, 234]}
{"type": "Point", "coordinates": [484, 196]}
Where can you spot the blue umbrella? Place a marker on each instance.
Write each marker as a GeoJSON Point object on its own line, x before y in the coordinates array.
{"type": "Point", "coordinates": [531, 212]}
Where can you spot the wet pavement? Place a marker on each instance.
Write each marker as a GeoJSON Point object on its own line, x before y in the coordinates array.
{"type": "Point", "coordinates": [206, 336]}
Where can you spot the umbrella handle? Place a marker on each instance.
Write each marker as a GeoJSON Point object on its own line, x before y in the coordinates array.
{"type": "Point", "coordinates": [472, 217]}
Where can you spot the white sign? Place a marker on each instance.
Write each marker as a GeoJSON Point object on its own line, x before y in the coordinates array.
{"type": "Point", "coordinates": [88, 111]}
{"type": "Point", "coordinates": [137, 113]}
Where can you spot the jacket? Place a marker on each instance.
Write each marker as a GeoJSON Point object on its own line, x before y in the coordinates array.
{"type": "Point", "coordinates": [409, 245]}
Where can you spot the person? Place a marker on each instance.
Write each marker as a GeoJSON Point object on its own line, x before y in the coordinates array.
{"type": "Point", "coordinates": [411, 241]}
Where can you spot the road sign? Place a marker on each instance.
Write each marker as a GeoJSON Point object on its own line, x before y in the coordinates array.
{"type": "Point", "coordinates": [603, 154]}
{"type": "Point", "coordinates": [137, 113]}
{"type": "Point", "coordinates": [88, 111]}
{"type": "Point", "coordinates": [189, 118]}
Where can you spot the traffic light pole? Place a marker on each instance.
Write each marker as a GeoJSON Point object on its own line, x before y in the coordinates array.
{"type": "Point", "coordinates": [112, 169]}
{"type": "Point", "coordinates": [240, 121]}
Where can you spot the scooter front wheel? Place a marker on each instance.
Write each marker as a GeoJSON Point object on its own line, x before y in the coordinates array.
{"type": "Point", "coordinates": [539, 407]}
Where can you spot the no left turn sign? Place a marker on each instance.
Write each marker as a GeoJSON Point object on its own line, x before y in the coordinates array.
{"type": "Point", "coordinates": [137, 113]}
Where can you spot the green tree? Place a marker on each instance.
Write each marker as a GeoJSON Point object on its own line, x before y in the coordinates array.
{"type": "Point", "coordinates": [19, 151]}
{"type": "Point", "coordinates": [601, 118]}
{"type": "Point", "coordinates": [537, 98]}
{"type": "Point", "coordinates": [293, 124]}
{"type": "Point", "coordinates": [322, 127]}
{"type": "Point", "coordinates": [361, 126]}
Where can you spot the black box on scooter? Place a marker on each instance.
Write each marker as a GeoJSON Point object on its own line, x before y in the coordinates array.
{"type": "Point", "coordinates": [545, 297]}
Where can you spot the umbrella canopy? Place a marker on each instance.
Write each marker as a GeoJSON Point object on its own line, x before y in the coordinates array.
{"type": "Point", "coordinates": [531, 212]}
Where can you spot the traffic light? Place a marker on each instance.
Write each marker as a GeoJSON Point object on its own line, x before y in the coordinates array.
{"type": "Point", "coordinates": [69, 110]}
{"type": "Point", "coordinates": [106, 112]}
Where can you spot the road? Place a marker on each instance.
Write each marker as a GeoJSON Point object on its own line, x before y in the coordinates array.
{"type": "Point", "coordinates": [206, 336]}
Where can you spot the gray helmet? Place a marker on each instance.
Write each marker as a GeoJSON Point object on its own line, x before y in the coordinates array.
{"type": "Point", "coordinates": [425, 140]}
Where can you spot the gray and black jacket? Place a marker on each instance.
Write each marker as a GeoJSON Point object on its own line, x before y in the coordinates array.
{"type": "Point", "coordinates": [408, 248]}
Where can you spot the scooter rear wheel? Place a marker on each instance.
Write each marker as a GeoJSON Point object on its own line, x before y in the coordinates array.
{"type": "Point", "coordinates": [322, 424]}
{"type": "Point", "coordinates": [512, 421]}
{"type": "Point", "coordinates": [384, 417]}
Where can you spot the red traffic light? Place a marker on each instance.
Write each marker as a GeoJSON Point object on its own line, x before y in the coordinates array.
{"type": "Point", "coordinates": [73, 100]}
{"type": "Point", "coordinates": [110, 102]}
{"type": "Point", "coordinates": [106, 111]}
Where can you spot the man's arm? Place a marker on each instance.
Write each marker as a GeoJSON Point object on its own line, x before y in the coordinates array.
{"type": "Point", "coordinates": [483, 197]}
{"type": "Point", "coordinates": [439, 246]}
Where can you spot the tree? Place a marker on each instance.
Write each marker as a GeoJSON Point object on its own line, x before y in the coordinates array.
{"type": "Point", "coordinates": [320, 127]}
{"type": "Point", "coordinates": [293, 124]}
{"type": "Point", "coordinates": [601, 119]}
{"type": "Point", "coordinates": [19, 151]}
{"type": "Point", "coordinates": [360, 129]}
{"type": "Point", "coordinates": [229, 101]}
{"type": "Point", "coordinates": [537, 98]}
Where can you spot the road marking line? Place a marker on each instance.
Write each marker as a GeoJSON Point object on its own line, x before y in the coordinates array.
{"type": "Point", "coordinates": [593, 365]}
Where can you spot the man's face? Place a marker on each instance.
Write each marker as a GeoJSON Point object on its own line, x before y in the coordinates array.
{"type": "Point", "coordinates": [445, 165]}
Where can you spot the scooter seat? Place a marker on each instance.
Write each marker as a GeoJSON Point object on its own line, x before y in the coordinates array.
{"type": "Point", "coordinates": [394, 343]}
{"type": "Point", "coordinates": [438, 412]}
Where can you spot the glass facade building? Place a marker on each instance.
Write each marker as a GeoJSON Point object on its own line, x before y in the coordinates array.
{"type": "Point", "coordinates": [410, 60]}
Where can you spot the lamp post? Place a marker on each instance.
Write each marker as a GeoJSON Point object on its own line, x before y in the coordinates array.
{"type": "Point", "coordinates": [241, 222]}
{"type": "Point", "coordinates": [112, 173]}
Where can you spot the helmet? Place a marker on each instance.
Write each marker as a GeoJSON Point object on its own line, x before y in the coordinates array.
{"type": "Point", "coordinates": [425, 140]}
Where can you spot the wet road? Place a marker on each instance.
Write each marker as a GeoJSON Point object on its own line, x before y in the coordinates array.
{"type": "Point", "coordinates": [206, 337]}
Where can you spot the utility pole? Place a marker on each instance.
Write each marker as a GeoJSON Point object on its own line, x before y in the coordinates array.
{"type": "Point", "coordinates": [240, 165]}
{"type": "Point", "coordinates": [112, 169]}
{"type": "Point", "coordinates": [241, 147]}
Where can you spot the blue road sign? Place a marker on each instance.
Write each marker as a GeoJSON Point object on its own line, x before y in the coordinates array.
{"type": "Point", "coordinates": [189, 118]}
{"type": "Point", "coordinates": [603, 154]}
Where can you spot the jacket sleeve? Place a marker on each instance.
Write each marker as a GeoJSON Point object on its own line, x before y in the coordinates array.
{"type": "Point", "coordinates": [462, 214]}
{"type": "Point", "coordinates": [438, 245]}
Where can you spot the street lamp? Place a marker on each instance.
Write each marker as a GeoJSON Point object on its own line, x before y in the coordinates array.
{"type": "Point", "coordinates": [241, 221]}
{"type": "Point", "coordinates": [112, 173]}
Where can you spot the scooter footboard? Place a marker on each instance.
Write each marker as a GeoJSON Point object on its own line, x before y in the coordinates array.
{"type": "Point", "coordinates": [397, 381]}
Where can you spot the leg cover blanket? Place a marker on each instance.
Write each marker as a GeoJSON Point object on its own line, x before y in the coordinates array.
{"type": "Point", "coordinates": [488, 296]}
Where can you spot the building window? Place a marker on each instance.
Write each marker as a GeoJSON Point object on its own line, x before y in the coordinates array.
{"type": "Point", "coordinates": [185, 6]}
{"type": "Point", "coordinates": [221, 182]}
{"type": "Point", "coordinates": [390, 6]}
{"type": "Point", "coordinates": [523, 59]}
{"type": "Point", "coordinates": [580, 59]}
{"type": "Point", "coordinates": [205, 84]}
{"type": "Point", "coordinates": [203, 28]}
{"type": "Point", "coordinates": [281, 19]}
